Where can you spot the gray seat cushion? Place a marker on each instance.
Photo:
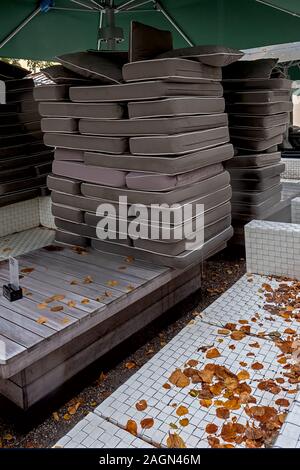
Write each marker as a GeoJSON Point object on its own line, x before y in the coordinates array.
{"type": "Point", "coordinates": [160, 182]}
{"type": "Point", "coordinates": [57, 183]}
{"type": "Point", "coordinates": [69, 154]}
{"type": "Point", "coordinates": [173, 69]}
{"type": "Point", "coordinates": [146, 42]}
{"type": "Point", "coordinates": [179, 144]}
{"type": "Point", "coordinates": [51, 92]}
{"type": "Point", "coordinates": [82, 172]}
{"type": "Point", "coordinates": [260, 108]}
{"type": "Point", "coordinates": [253, 161]}
{"type": "Point", "coordinates": [256, 145]}
{"type": "Point", "coordinates": [247, 120]}
{"type": "Point", "coordinates": [82, 110]}
{"type": "Point", "coordinates": [255, 185]}
{"type": "Point", "coordinates": [179, 106]}
{"type": "Point", "coordinates": [155, 126]}
{"type": "Point", "coordinates": [256, 133]}
{"type": "Point", "coordinates": [261, 68]}
{"type": "Point", "coordinates": [255, 197]}
{"type": "Point", "coordinates": [117, 145]}
{"type": "Point", "coordinates": [64, 125]}
{"type": "Point", "coordinates": [256, 173]}
{"type": "Point", "coordinates": [260, 96]}
{"type": "Point", "coordinates": [144, 90]}
{"type": "Point", "coordinates": [257, 84]}
{"type": "Point", "coordinates": [217, 56]}
{"type": "Point", "coordinates": [169, 165]}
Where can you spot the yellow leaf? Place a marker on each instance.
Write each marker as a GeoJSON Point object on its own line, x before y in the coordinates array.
{"type": "Point", "coordinates": [88, 280]}
{"type": "Point", "coordinates": [8, 437]}
{"type": "Point", "coordinates": [112, 283]}
{"type": "Point", "coordinates": [55, 416]}
{"type": "Point", "coordinates": [212, 353]}
{"type": "Point", "coordinates": [41, 320]}
{"type": "Point", "coordinates": [42, 306]}
{"type": "Point", "coordinates": [184, 422]}
{"type": "Point", "coordinates": [71, 304]}
{"type": "Point", "coordinates": [131, 427]}
{"type": "Point", "coordinates": [243, 375]}
{"type": "Point", "coordinates": [67, 417]}
{"type": "Point", "coordinates": [130, 365]}
{"type": "Point", "coordinates": [85, 301]}
{"type": "Point", "coordinates": [182, 410]}
{"type": "Point", "coordinates": [174, 441]}
{"type": "Point", "coordinates": [65, 320]}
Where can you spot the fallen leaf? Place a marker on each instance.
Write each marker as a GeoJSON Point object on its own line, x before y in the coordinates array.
{"type": "Point", "coordinates": [42, 306]}
{"type": "Point", "coordinates": [73, 409]}
{"type": "Point", "coordinates": [130, 365]}
{"type": "Point", "coordinates": [224, 332]}
{"type": "Point", "coordinates": [184, 422]}
{"type": "Point", "coordinates": [88, 280]}
{"type": "Point", "coordinates": [192, 363]}
{"type": "Point", "coordinates": [74, 282]}
{"type": "Point", "coordinates": [147, 423]}
{"type": "Point", "coordinates": [71, 304]}
{"type": "Point", "coordinates": [129, 259]}
{"type": "Point", "coordinates": [182, 410]}
{"type": "Point", "coordinates": [206, 402]}
{"type": "Point", "coordinates": [85, 301]}
{"type": "Point", "coordinates": [282, 402]}
{"type": "Point", "coordinates": [167, 386]}
{"type": "Point", "coordinates": [42, 320]}
{"type": "Point", "coordinates": [8, 437]}
{"type": "Point", "coordinates": [179, 379]}
{"type": "Point", "coordinates": [237, 335]}
{"type": "Point", "coordinates": [243, 375]}
{"type": "Point", "coordinates": [257, 366]}
{"type": "Point", "coordinates": [212, 353]}
{"type": "Point", "coordinates": [67, 417]}
{"type": "Point", "coordinates": [290, 331]}
{"type": "Point", "coordinates": [112, 283]}
{"type": "Point", "coordinates": [131, 427]}
{"type": "Point", "coordinates": [211, 428]}
{"type": "Point", "coordinates": [174, 441]}
{"type": "Point", "coordinates": [58, 308]}
{"type": "Point", "coordinates": [141, 405]}
{"type": "Point", "coordinates": [222, 413]}
{"type": "Point", "coordinates": [65, 320]}
{"type": "Point", "coordinates": [130, 288]}
{"type": "Point", "coordinates": [27, 270]}
{"type": "Point", "coordinates": [55, 416]}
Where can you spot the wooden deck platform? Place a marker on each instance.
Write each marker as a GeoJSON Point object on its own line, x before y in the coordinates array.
{"type": "Point", "coordinates": [77, 306]}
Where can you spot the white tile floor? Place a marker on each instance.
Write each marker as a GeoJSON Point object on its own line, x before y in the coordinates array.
{"type": "Point", "coordinates": [239, 303]}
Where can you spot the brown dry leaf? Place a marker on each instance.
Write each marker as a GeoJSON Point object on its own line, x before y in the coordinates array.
{"type": "Point", "coordinates": [112, 283]}
{"type": "Point", "coordinates": [267, 287]}
{"type": "Point", "coordinates": [232, 404]}
{"type": "Point", "coordinates": [57, 298]}
{"type": "Point", "coordinates": [290, 331]}
{"type": "Point", "coordinates": [42, 306]}
{"type": "Point", "coordinates": [73, 409]}
{"type": "Point", "coordinates": [141, 405]}
{"type": "Point", "coordinates": [102, 377]}
{"type": "Point", "coordinates": [175, 442]}
{"type": "Point", "coordinates": [192, 363]}
{"type": "Point", "coordinates": [212, 353]}
{"type": "Point", "coordinates": [131, 427]}
{"type": "Point", "coordinates": [85, 301]}
{"type": "Point", "coordinates": [211, 428]}
{"type": "Point", "coordinates": [282, 402]}
{"type": "Point", "coordinates": [130, 365]}
{"type": "Point", "coordinates": [55, 416]}
{"type": "Point", "coordinates": [206, 402]}
{"type": "Point", "coordinates": [224, 332]}
{"type": "Point", "coordinates": [243, 375]}
{"type": "Point", "coordinates": [41, 320]}
{"type": "Point", "coordinates": [129, 259]}
{"type": "Point", "coordinates": [88, 280]}
{"type": "Point", "coordinates": [71, 304]}
{"type": "Point", "coordinates": [184, 422]}
{"type": "Point", "coordinates": [58, 308]}
{"type": "Point", "coordinates": [243, 364]}
{"type": "Point", "coordinates": [27, 270]}
{"type": "Point", "coordinates": [147, 423]}
{"type": "Point", "coordinates": [74, 282]}
{"type": "Point", "coordinates": [243, 322]}
{"type": "Point", "coordinates": [232, 347]}
{"type": "Point", "coordinates": [167, 386]}
{"type": "Point", "coordinates": [254, 345]}
{"type": "Point", "coordinates": [237, 335]}
{"type": "Point", "coordinates": [280, 380]}
{"type": "Point", "coordinates": [282, 360]}
{"type": "Point", "coordinates": [222, 413]}
{"type": "Point", "coordinates": [257, 366]}
{"type": "Point", "coordinates": [182, 410]}
{"type": "Point", "coordinates": [130, 288]}
{"type": "Point", "coordinates": [179, 379]}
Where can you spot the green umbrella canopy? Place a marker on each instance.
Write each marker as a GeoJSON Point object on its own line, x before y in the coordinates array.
{"type": "Point", "coordinates": [72, 25]}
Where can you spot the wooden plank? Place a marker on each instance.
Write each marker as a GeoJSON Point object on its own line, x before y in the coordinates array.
{"type": "Point", "coordinates": [18, 334]}
{"type": "Point", "coordinates": [15, 365]}
{"type": "Point", "coordinates": [48, 290]}
{"type": "Point", "coordinates": [13, 392]}
{"type": "Point", "coordinates": [10, 350]}
{"type": "Point", "coordinates": [8, 312]}
{"type": "Point", "coordinates": [28, 309]}
{"type": "Point", "coordinates": [45, 364]}
{"type": "Point", "coordinates": [113, 262]}
{"type": "Point", "coordinates": [64, 371]}
{"type": "Point", "coordinates": [65, 270]}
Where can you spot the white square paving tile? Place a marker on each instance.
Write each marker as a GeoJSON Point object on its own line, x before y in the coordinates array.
{"type": "Point", "coordinates": [95, 432]}
{"type": "Point", "coordinates": [183, 347]}
{"type": "Point", "coordinates": [24, 242]}
{"type": "Point", "coordinates": [242, 301]}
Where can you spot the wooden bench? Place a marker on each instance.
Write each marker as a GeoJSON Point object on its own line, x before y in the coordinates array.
{"type": "Point", "coordinates": [76, 307]}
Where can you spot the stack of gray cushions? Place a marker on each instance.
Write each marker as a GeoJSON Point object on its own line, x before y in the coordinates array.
{"type": "Point", "coordinates": [258, 109]}
{"type": "Point", "coordinates": [158, 134]}
{"type": "Point", "coordinates": [25, 161]}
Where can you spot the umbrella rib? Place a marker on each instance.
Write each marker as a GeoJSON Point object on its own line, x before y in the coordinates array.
{"type": "Point", "coordinates": [173, 23]}
{"type": "Point", "coordinates": [284, 10]}
{"type": "Point", "coordinates": [89, 7]}
{"type": "Point", "coordinates": [20, 27]}
{"type": "Point", "coordinates": [124, 6]}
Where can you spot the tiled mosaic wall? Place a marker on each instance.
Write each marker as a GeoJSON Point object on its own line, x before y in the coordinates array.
{"type": "Point", "coordinates": [295, 203]}
{"type": "Point", "coordinates": [18, 217]}
{"type": "Point", "coordinates": [292, 168]}
{"type": "Point", "coordinates": [273, 248]}
{"type": "Point", "coordinates": [45, 214]}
